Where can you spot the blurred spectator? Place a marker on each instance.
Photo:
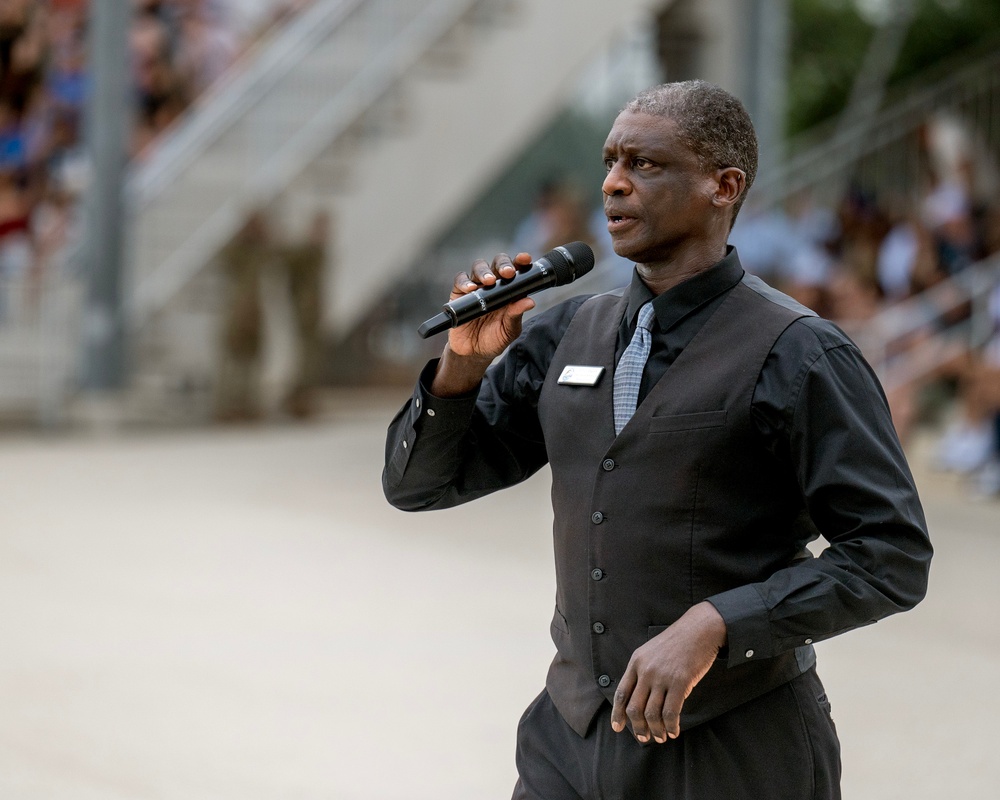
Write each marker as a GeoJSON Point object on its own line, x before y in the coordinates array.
{"type": "Point", "coordinates": [972, 444]}
{"type": "Point", "coordinates": [55, 225]}
{"type": "Point", "coordinates": [789, 250]}
{"type": "Point", "coordinates": [948, 215]}
{"type": "Point", "coordinates": [907, 261]}
{"type": "Point", "coordinates": [559, 216]}
{"type": "Point", "coordinates": [160, 93]}
{"type": "Point", "coordinates": [207, 44]}
{"type": "Point", "coordinates": [303, 264]}
{"type": "Point", "coordinates": [15, 240]}
{"type": "Point", "coordinates": [243, 261]}
{"type": "Point", "coordinates": [66, 77]}
{"type": "Point", "coordinates": [765, 240]}
{"type": "Point", "coordinates": [22, 52]}
{"type": "Point", "coordinates": [13, 148]}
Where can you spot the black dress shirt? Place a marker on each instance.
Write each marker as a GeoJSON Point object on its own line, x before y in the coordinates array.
{"type": "Point", "coordinates": [817, 407]}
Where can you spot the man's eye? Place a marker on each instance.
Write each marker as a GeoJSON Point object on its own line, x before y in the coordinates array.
{"type": "Point", "coordinates": [609, 163]}
{"type": "Point", "coordinates": [642, 163]}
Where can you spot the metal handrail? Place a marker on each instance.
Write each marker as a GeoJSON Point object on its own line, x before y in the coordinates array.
{"type": "Point", "coordinates": [813, 161]}
{"type": "Point", "coordinates": [895, 339]}
{"type": "Point", "coordinates": [372, 80]}
{"type": "Point", "coordinates": [234, 94]}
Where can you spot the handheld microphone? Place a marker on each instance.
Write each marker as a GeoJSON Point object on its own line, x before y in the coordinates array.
{"type": "Point", "coordinates": [557, 267]}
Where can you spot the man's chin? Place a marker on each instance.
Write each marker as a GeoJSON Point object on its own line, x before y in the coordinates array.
{"type": "Point", "coordinates": [624, 248]}
{"type": "Point", "coordinates": [629, 250]}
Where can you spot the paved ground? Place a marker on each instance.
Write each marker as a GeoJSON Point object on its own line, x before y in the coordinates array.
{"type": "Point", "coordinates": [238, 614]}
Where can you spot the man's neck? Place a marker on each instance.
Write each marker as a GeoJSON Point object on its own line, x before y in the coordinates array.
{"type": "Point", "coordinates": [661, 276]}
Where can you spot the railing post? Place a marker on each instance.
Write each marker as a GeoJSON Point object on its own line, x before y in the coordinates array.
{"type": "Point", "coordinates": [106, 137]}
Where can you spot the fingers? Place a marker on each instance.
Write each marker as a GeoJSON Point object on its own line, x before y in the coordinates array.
{"type": "Point", "coordinates": [463, 285]}
{"type": "Point", "coordinates": [671, 712]}
{"type": "Point", "coordinates": [653, 714]}
{"type": "Point", "coordinates": [663, 672]}
{"type": "Point", "coordinates": [652, 708]}
{"type": "Point", "coordinates": [642, 704]}
{"type": "Point", "coordinates": [484, 274]}
{"type": "Point", "coordinates": [480, 276]}
{"type": "Point", "coordinates": [622, 697]}
{"type": "Point", "coordinates": [488, 274]}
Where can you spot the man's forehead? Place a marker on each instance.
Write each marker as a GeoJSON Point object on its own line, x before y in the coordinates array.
{"type": "Point", "coordinates": [639, 127]}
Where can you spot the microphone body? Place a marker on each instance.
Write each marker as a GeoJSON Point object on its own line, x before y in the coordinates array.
{"type": "Point", "coordinates": [559, 266]}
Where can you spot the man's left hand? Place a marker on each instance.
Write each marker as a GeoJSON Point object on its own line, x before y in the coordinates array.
{"type": "Point", "coordinates": [662, 673]}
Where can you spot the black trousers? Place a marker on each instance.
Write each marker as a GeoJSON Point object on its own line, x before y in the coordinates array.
{"type": "Point", "coordinates": [781, 746]}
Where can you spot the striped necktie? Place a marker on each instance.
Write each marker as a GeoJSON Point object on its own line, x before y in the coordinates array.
{"type": "Point", "coordinates": [628, 374]}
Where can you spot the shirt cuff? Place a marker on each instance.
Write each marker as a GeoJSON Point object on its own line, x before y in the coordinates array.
{"type": "Point", "coordinates": [748, 628]}
{"type": "Point", "coordinates": [428, 410]}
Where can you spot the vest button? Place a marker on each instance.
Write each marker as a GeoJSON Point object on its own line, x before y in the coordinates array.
{"type": "Point", "coordinates": [598, 627]}
{"type": "Point", "coordinates": [604, 681]}
{"type": "Point", "coordinates": [597, 574]}
{"type": "Point", "coordinates": [597, 518]}
{"type": "Point", "coordinates": [608, 464]}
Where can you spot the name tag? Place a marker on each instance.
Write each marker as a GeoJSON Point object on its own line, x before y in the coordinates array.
{"type": "Point", "coordinates": [580, 376]}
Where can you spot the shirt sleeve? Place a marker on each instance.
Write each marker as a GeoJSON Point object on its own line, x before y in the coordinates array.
{"type": "Point", "coordinates": [819, 406]}
{"type": "Point", "coordinates": [441, 452]}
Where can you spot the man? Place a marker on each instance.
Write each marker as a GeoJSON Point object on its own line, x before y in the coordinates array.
{"type": "Point", "coordinates": [686, 482]}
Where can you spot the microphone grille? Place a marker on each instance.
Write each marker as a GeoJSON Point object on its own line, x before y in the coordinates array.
{"type": "Point", "coordinates": [570, 261]}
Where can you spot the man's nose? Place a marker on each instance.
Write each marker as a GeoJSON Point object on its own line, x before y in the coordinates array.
{"type": "Point", "coordinates": [615, 181]}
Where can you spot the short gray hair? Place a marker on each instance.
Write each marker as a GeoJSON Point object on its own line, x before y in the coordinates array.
{"type": "Point", "coordinates": [712, 122]}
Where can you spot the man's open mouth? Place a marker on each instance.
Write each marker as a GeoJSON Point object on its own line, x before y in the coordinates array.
{"type": "Point", "coordinates": [616, 221]}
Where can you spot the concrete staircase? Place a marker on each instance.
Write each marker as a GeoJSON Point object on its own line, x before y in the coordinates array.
{"type": "Point", "coordinates": [391, 117]}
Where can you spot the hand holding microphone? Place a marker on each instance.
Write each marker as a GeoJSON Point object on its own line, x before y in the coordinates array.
{"type": "Point", "coordinates": [485, 311]}
{"type": "Point", "coordinates": [557, 267]}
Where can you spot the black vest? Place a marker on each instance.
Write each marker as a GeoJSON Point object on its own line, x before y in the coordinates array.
{"type": "Point", "coordinates": [685, 503]}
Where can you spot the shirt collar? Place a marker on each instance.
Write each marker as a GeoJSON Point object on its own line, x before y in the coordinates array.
{"type": "Point", "coordinates": [676, 303]}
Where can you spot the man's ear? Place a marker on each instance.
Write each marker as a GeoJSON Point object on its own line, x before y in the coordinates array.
{"type": "Point", "coordinates": [731, 182]}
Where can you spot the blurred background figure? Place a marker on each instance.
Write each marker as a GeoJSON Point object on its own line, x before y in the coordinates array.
{"type": "Point", "coordinates": [971, 445]}
{"type": "Point", "coordinates": [559, 215]}
{"type": "Point", "coordinates": [207, 43]}
{"type": "Point", "coordinates": [303, 264]}
{"type": "Point", "coordinates": [243, 261]}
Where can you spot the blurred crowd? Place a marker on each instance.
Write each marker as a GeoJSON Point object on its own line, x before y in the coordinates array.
{"type": "Point", "coordinates": [177, 49]}
{"type": "Point", "coordinates": [859, 256]}
{"type": "Point", "coordinates": [847, 261]}
{"type": "Point", "coordinates": [873, 252]}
